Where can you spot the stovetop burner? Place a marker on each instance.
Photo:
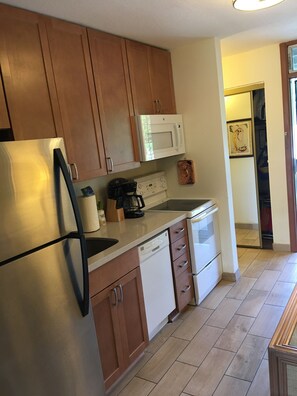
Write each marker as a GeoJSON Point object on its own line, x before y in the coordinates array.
{"type": "Point", "coordinates": [191, 206]}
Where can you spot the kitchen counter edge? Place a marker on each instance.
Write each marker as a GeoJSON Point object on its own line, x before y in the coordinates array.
{"type": "Point", "coordinates": [131, 233]}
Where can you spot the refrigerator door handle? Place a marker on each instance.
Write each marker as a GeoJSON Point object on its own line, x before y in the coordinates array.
{"type": "Point", "coordinates": [60, 163]}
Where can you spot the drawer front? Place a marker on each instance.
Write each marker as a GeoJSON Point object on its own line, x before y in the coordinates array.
{"type": "Point", "coordinates": [182, 264]}
{"type": "Point", "coordinates": [179, 247]}
{"type": "Point", "coordinates": [178, 230]}
{"type": "Point", "coordinates": [184, 289]}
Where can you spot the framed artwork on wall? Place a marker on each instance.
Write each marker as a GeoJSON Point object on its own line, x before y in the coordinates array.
{"type": "Point", "coordinates": [240, 138]}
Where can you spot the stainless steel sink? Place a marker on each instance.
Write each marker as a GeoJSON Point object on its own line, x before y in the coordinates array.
{"type": "Point", "coordinates": [97, 245]}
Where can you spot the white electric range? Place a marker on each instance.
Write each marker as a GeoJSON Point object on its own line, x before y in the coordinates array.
{"type": "Point", "coordinates": [203, 232]}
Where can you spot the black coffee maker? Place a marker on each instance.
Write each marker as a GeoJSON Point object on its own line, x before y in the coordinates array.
{"type": "Point", "coordinates": [124, 191]}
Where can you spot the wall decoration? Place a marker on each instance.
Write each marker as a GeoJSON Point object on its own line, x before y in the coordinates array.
{"type": "Point", "coordinates": [240, 138]}
{"type": "Point", "coordinates": [186, 172]}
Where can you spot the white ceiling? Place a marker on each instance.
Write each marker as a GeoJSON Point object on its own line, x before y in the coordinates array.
{"type": "Point", "coordinates": [171, 23]}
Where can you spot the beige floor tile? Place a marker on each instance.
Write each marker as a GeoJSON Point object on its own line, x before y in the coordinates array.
{"type": "Point", "coordinates": [280, 294]}
{"type": "Point", "coordinates": [200, 345]}
{"type": "Point", "coordinates": [217, 295]}
{"type": "Point", "coordinates": [241, 289]}
{"type": "Point", "coordinates": [267, 320]}
{"type": "Point", "coordinates": [156, 343]}
{"type": "Point", "coordinates": [210, 373]}
{"type": "Point", "coordinates": [137, 387]}
{"type": "Point", "coordinates": [232, 387]}
{"type": "Point", "coordinates": [234, 334]}
{"type": "Point", "coordinates": [193, 323]}
{"type": "Point", "coordinates": [253, 303]}
{"type": "Point", "coordinates": [130, 374]}
{"type": "Point", "coordinates": [162, 360]}
{"type": "Point", "coordinates": [174, 381]}
{"type": "Point", "coordinates": [223, 314]}
{"type": "Point", "coordinates": [289, 274]}
{"type": "Point", "coordinates": [260, 386]}
{"type": "Point", "coordinates": [246, 259]}
{"type": "Point", "coordinates": [267, 280]}
{"type": "Point", "coordinates": [292, 258]}
{"type": "Point", "coordinates": [256, 269]}
{"type": "Point", "coordinates": [278, 261]}
{"type": "Point", "coordinates": [248, 358]}
{"type": "Point", "coordinates": [241, 251]}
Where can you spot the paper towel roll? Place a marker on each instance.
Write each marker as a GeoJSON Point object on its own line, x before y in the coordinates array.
{"type": "Point", "coordinates": [89, 214]}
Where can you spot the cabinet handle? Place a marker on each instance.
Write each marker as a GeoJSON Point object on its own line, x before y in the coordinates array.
{"type": "Point", "coordinates": [73, 165]}
{"type": "Point", "coordinates": [159, 106]}
{"type": "Point", "coordinates": [115, 294]}
{"type": "Point", "coordinates": [182, 247]}
{"type": "Point", "coordinates": [184, 264]}
{"type": "Point", "coordinates": [109, 162]}
{"type": "Point", "coordinates": [121, 298]}
{"type": "Point", "coordinates": [180, 230]}
{"type": "Point", "coordinates": [186, 289]}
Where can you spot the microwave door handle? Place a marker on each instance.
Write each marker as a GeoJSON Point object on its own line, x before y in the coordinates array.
{"type": "Point", "coordinates": [177, 136]}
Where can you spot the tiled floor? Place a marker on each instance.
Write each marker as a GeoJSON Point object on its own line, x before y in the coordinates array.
{"type": "Point", "coordinates": [220, 347]}
{"type": "Point", "coordinates": [247, 237]}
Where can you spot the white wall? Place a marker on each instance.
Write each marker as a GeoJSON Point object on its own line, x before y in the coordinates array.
{"type": "Point", "coordinates": [263, 65]}
{"type": "Point", "coordinates": [200, 98]}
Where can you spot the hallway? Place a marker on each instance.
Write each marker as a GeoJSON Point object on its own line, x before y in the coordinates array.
{"type": "Point", "coordinates": [220, 347]}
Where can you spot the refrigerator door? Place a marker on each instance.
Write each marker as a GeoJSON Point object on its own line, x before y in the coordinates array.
{"type": "Point", "coordinates": [35, 204]}
{"type": "Point", "coordinates": [47, 347]}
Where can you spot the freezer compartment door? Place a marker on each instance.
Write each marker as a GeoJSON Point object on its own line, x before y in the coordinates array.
{"type": "Point", "coordinates": [35, 205]}
{"type": "Point", "coordinates": [47, 347]}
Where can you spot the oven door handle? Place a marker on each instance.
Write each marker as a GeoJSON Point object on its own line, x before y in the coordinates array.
{"type": "Point", "coordinates": [199, 218]}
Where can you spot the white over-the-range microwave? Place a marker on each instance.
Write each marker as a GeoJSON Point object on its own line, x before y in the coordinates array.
{"type": "Point", "coordinates": [160, 136]}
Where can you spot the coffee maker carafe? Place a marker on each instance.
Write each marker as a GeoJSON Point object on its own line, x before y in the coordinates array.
{"type": "Point", "coordinates": [132, 202]}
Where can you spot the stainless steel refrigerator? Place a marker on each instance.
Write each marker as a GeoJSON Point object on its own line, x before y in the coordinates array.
{"type": "Point", "coordinates": [48, 344]}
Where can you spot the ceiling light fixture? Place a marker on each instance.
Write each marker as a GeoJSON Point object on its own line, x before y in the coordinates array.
{"type": "Point", "coordinates": [253, 5]}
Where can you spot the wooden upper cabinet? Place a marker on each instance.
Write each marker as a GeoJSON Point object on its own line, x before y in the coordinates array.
{"type": "Point", "coordinates": [151, 79]}
{"type": "Point", "coordinates": [33, 112]}
{"type": "Point", "coordinates": [162, 80]}
{"type": "Point", "coordinates": [112, 82]}
{"type": "Point", "coordinates": [72, 69]}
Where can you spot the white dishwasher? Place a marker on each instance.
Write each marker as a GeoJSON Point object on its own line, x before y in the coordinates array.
{"type": "Point", "coordinates": [157, 282]}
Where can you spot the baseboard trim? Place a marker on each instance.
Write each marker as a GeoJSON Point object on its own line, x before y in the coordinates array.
{"type": "Point", "coordinates": [281, 247]}
{"type": "Point", "coordinates": [231, 276]}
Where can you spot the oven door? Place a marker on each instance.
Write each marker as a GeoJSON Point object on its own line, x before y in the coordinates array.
{"type": "Point", "coordinates": [203, 238]}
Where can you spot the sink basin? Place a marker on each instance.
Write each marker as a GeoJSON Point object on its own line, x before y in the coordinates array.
{"type": "Point", "coordinates": [97, 245]}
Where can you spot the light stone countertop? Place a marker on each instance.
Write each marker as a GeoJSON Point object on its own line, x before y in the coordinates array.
{"type": "Point", "coordinates": [131, 233]}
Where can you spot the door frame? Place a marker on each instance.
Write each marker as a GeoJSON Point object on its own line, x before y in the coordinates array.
{"type": "Point", "coordinates": [289, 151]}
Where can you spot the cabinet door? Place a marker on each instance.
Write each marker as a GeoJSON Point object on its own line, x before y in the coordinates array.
{"type": "Point", "coordinates": [23, 52]}
{"type": "Point", "coordinates": [105, 309]}
{"type": "Point", "coordinates": [161, 80]}
{"type": "Point", "coordinates": [73, 76]}
{"type": "Point", "coordinates": [110, 67]}
{"type": "Point", "coordinates": [132, 316]}
{"type": "Point", "coordinates": [138, 60]}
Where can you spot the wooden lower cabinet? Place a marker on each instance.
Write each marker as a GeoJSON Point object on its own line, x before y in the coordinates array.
{"type": "Point", "coordinates": [119, 316]}
{"type": "Point", "coordinates": [181, 265]}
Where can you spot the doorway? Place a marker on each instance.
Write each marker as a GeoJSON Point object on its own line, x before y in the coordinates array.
{"type": "Point", "coordinates": [247, 139]}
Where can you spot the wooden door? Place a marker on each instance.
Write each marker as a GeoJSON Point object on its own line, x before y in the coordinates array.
{"type": "Point", "coordinates": [73, 76]}
{"type": "Point", "coordinates": [132, 316]}
{"type": "Point", "coordinates": [115, 102]}
{"type": "Point", "coordinates": [161, 80]}
{"type": "Point", "coordinates": [138, 60]}
{"type": "Point", "coordinates": [23, 51]}
{"type": "Point", "coordinates": [105, 310]}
